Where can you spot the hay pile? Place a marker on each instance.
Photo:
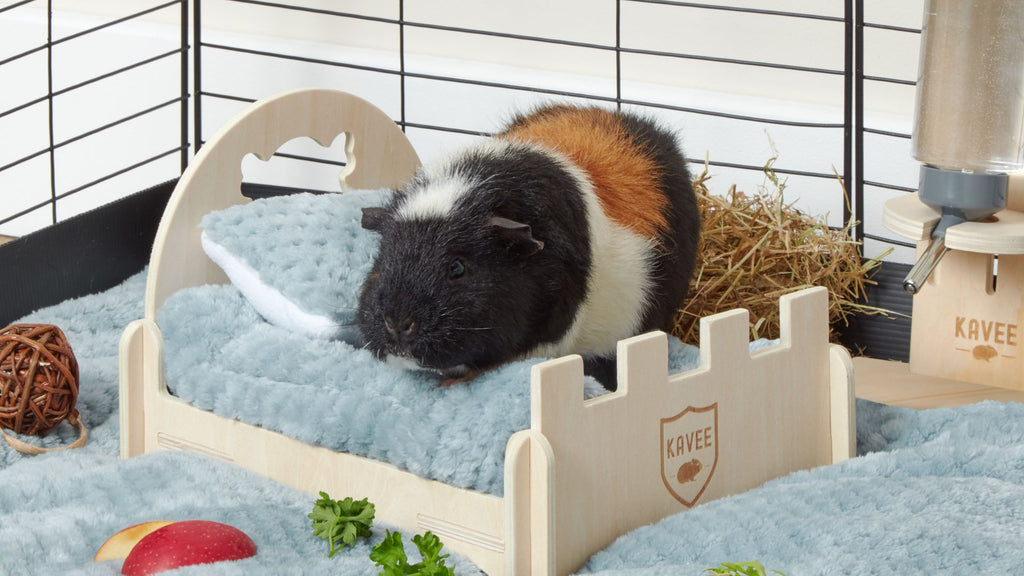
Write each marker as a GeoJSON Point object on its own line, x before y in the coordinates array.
{"type": "Point", "coordinates": [756, 248]}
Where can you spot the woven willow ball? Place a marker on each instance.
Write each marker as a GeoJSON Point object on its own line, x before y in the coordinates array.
{"type": "Point", "coordinates": [38, 378]}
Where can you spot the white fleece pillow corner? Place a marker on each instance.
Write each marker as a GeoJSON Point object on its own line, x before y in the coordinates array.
{"type": "Point", "coordinates": [300, 260]}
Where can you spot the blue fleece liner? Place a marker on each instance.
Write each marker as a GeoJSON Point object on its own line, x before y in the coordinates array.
{"type": "Point", "coordinates": [933, 492]}
{"type": "Point", "coordinates": [221, 356]}
{"type": "Point", "coordinates": [56, 509]}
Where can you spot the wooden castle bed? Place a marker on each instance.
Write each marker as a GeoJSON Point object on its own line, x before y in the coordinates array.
{"type": "Point", "coordinates": [584, 472]}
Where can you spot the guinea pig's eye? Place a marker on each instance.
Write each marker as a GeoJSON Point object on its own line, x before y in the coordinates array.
{"type": "Point", "coordinates": [456, 269]}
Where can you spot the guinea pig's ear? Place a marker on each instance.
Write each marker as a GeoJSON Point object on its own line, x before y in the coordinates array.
{"type": "Point", "coordinates": [373, 217]}
{"type": "Point", "coordinates": [518, 232]}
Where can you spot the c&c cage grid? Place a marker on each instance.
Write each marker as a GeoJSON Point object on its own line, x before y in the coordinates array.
{"type": "Point", "coordinates": [844, 25]}
{"type": "Point", "coordinates": [54, 92]}
{"type": "Point", "coordinates": [198, 88]}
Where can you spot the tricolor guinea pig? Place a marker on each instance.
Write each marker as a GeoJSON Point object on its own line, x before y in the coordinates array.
{"type": "Point", "coordinates": [568, 231]}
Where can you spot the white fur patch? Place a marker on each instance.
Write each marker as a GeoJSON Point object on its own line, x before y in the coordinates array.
{"type": "Point", "coordinates": [442, 190]}
{"type": "Point", "coordinates": [413, 365]}
{"type": "Point", "coordinates": [618, 291]}
{"type": "Point", "coordinates": [436, 199]}
{"type": "Point", "coordinates": [402, 362]}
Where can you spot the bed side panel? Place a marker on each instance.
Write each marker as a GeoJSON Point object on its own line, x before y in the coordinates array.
{"type": "Point", "coordinates": [661, 445]}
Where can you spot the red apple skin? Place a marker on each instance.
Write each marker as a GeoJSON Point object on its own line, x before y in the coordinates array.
{"type": "Point", "coordinates": [120, 544]}
{"type": "Point", "coordinates": [187, 543]}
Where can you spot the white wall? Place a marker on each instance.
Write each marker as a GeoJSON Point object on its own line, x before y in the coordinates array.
{"type": "Point", "coordinates": [889, 107]}
{"type": "Point", "coordinates": [728, 88]}
{"type": "Point", "coordinates": [80, 111]}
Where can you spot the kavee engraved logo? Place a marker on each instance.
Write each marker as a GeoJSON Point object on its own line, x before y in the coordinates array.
{"type": "Point", "coordinates": [985, 339]}
{"type": "Point", "coordinates": [689, 452]}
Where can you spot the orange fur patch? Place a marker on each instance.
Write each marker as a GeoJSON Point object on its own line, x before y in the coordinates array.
{"type": "Point", "coordinates": [624, 176]}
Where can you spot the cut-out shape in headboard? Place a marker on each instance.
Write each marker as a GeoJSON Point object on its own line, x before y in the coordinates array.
{"type": "Point", "coordinates": [379, 156]}
{"type": "Point", "coordinates": [300, 164]}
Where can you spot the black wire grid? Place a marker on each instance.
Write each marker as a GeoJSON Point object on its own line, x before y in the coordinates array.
{"type": "Point", "coordinates": [192, 93]}
{"type": "Point", "coordinates": [181, 100]}
{"type": "Point", "coordinates": [862, 80]}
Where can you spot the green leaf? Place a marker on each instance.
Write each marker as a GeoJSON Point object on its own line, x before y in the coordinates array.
{"type": "Point", "coordinates": [753, 568]}
{"type": "Point", "coordinates": [341, 522]}
{"type": "Point", "coordinates": [390, 553]}
{"type": "Point", "coordinates": [429, 546]}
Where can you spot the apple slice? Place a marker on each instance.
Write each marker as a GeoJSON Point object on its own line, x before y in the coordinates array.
{"type": "Point", "coordinates": [120, 544]}
{"type": "Point", "coordinates": [187, 543]}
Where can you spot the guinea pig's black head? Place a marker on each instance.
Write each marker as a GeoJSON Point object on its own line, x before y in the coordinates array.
{"type": "Point", "coordinates": [453, 284]}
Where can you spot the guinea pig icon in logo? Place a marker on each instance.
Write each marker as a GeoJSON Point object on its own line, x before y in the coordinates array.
{"type": "Point", "coordinates": [689, 452]}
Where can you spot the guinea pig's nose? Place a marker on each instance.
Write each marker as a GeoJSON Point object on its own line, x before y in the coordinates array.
{"type": "Point", "coordinates": [403, 330]}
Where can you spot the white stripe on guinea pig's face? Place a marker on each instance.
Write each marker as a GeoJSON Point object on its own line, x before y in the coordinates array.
{"type": "Point", "coordinates": [434, 199]}
{"type": "Point", "coordinates": [437, 190]}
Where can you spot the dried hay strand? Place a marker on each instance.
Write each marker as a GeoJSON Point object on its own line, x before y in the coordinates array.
{"type": "Point", "coordinates": [757, 248]}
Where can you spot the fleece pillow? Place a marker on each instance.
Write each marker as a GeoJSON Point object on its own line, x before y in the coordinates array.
{"type": "Point", "coordinates": [300, 260]}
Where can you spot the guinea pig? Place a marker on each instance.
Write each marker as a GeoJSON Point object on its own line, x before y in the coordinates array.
{"type": "Point", "coordinates": [571, 229]}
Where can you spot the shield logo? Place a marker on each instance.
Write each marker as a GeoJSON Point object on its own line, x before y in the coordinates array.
{"type": "Point", "coordinates": [689, 452]}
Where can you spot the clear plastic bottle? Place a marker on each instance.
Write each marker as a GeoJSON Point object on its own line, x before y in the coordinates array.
{"type": "Point", "coordinates": [970, 95]}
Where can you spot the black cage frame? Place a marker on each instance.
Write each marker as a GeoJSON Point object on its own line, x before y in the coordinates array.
{"type": "Point", "coordinates": [192, 95]}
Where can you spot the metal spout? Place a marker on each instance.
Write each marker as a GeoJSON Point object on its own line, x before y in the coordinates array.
{"type": "Point", "coordinates": [961, 197]}
{"type": "Point", "coordinates": [925, 265]}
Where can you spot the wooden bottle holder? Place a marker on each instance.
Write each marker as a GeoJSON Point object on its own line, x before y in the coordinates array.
{"type": "Point", "coordinates": [966, 325]}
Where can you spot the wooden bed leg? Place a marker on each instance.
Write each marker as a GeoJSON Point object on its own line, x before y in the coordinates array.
{"type": "Point", "coordinates": [140, 369]}
{"type": "Point", "coordinates": [542, 507]}
{"type": "Point", "coordinates": [517, 504]}
{"type": "Point", "coordinates": [529, 488]}
{"type": "Point", "coordinates": [131, 370]}
{"type": "Point", "coordinates": [843, 404]}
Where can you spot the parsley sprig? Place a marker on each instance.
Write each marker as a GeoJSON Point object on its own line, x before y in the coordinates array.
{"type": "Point", "coordinates": [390, 555]}
{"type": "Point", "coordinates": [340, 522]}
{"type": "Point", "coordinates": [753, 568]}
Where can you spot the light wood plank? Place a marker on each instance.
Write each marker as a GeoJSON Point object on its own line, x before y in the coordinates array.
{"type": "Point", "coordinates": [968, 327]}
{"type": "Point", "coordinates": [891, 382]}
{"type": "Point", "coordinates": [963, 329]}
{"type": "Point", "coordinates": [843, 404]}
{"type": "Point", "coordinates": [741, 419]}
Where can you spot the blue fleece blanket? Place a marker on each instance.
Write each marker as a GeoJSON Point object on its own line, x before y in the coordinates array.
{"type": "Point", "coordinates": [936, 491]}
{"type": "Point", "coordinates": [220, 355]}
{"type": "Point", "coordinates": [57, 509]}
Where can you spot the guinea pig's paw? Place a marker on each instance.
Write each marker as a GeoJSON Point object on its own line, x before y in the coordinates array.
{"type": "Point", "coordinates": [466, 376]}
{"type": "Point", "coordinates": [453, 381]}
{"type": "Point", "coordinates": [402, 362]}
